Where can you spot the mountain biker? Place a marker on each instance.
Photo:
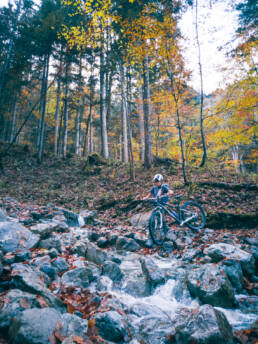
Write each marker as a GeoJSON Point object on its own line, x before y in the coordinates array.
{"type": "Point", "coordinates": [161, 191]}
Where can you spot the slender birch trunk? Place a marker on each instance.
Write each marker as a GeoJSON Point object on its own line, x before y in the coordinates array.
{"type": "Point", "coordinates": [103, 114]}
{"type": "Point", "coordinates": [148, 156]}
{"type": "Point", "coordinates": [13, 120]}
{"type": "Point", "coordinates": [141, 122]}
{"type": "Point", "coordinates": [124, 114]}
{"type": "Point", "coordinates": [204, 156]}
{"type": "Point", "coordinates": [66, 110]}
{"type": "Point", "coordinates": [57, 114]}
{"type": "Point", "coordinates": [128, 117]}
{"type": "Point", "coordinates": [44, 101]}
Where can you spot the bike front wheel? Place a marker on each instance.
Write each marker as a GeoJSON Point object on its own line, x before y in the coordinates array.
{"type": "Point", "coordinates": [194, 215]}
{"type": "Point", "coordinates": [156, 227]}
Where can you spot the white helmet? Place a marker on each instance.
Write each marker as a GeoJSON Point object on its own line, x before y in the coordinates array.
{"type": "Point", "coordinates": [158, 178]}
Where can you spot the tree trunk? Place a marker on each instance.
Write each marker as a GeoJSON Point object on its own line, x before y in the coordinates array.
{"type": "Point", "coordinates": [57, 114]}
{"type": "Point", "coordinates": [173, 91]}
{"type": "Point", "coordinates": [201, 81]}
{"type": "Point", "coordinates": [141, 121]}
{"type": "Point", "coordinates": [88, 130]}
{"type": "Point", "coordinates": [66, 110]}
{"type": "Point", "coordinates": [124, 114]}
{"type": "Point", "coordinates": [148, 156]}
{"type": "Point", "coordinates": [13, 120]}
{"type": "Point", "coordinates": [79, 114]}
{"type": "Point", "coordinates": [44, 101]}
{"type": "Point", "coordinates": [104, 137]}
{"type": "Point", "coordinates": [128, 117]}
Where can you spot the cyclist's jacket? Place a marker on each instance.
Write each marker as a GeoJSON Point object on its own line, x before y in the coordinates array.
{"type": "Point", "coordinates": [160, 191]}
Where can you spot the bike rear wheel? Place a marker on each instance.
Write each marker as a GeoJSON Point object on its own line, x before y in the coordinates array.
{"type": "Point", "coordinates": [156, 227]}
{"type": "Point", "coordinates": [194, 210]}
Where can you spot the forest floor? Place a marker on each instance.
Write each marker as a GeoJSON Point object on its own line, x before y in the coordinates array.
{"type": "Point", "coordinates": [108, 188]}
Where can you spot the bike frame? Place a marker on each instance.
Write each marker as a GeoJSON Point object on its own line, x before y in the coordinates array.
{"type": "Point", "coordinates": [166, 209]}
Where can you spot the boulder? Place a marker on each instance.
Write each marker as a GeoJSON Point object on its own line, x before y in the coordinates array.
{"type": "Point", "coordinates": [141, 219]}
{"type": "Point", "coordinates": [111, 326]}
{"type": "Point", "coordinates": [234, 273]}
{"type": "Point", "coordinates": [3, 215]}
{"type": "Point", "coordinates": [137, 287]}
{"type": "Point", "coordinates": [14, 236]}
{"type": "Point", "coordinates": [113, 271]}
{"type": "Point", "coordinates": [28, 278]}
{"type": "Point", "coordinates": [79, 278]}
{"type": "Point", "coordinates": [60, 264]}
{"type": "Point", "coordinates": [225, 251]}
{"type": "Point", "coordinates": [79, 248]}
{"type": "Point", "coordinates": [53, 242]}
{"type": "Point", "coordinates": [13, 303]}
{"type": "Point", "coordinates": [210, 284]}
{"type": "Point", "coordinates": [127, 244]}
{"type": "Point", "coordinates": [205, 325]}
{"type": "Point", "coordinates": [151, 271]}
{"type": "Point", "coordinates": [45, 229]}
{"type": "Point", "coordinates": [103, 242]}
{"type": "Point", "coordinates": [88, 216]}
{"type": "Point", "coordinates": [73, 325]}
{"type": "Point", "coordinates": [95, 255]}
{"type": "Point", "coordinates": [34, 326]}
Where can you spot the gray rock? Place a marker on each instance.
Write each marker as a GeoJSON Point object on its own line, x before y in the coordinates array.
{"type": "Point", "coordinates": [72, 219]}
{"type": "Point", "coordinates": [191, 254]}
{"type": "Point", "coordinates": [103, 242]}
{"type": "Point", "coordinates": [141, 219]}
{"type": "Point", "coordinates": [104, 283]}
{"type": "Point", "coordinates": [79, 277]}
{"type": "Point", "coordinates": [79, 248]}
{"type": "Point", "coordinates": [13, 303]}
{"type": "Point", "coordinates": [225, 251]}
{"type": "Point", "coordinates": [88, 216]}
{"type": "Point", "coordinates": [28, 278]}
{"type": "Point", "coordinates": [94, 236]}
{"type": "Point", "coordinates": [110, 326]}
{"type": "Point", "coordinates": [211, 285]}
{"type": "Point", "coordinates": [74, 325]}
{"type": "Point", "coordinates": [95, 255]}
{"type": "Point", "coordinates": [127, 244]}
{"type": "Point", "coordinates": [204, 326]}
{"type": "Point", "coordinates": [234, 273]}
{"type": "Point", "coordinates": [113, 271]}
{"type": "Point", "coordinates": [140, 239]}
{"type": "Point", "coordinates": [152, 272]}
{"type": "Point", "coordinates": [34, 326]}
{"type": "Point", "coordinates": [43, 229]}
{"type": "Point", "coordinates": [14, 236]}
{"type": "Point", "coordinates": [60, 264]}
{"type": "Point", "coordinates": [22, 256]}
{"type": "Point", "coordinates": [53, 242]}
{"type": "Point", "coordinates": [53, 253]}
{"type": "Point", "coordinates": [137, 287]}
{"type": "Point", "coordinates": [3, 215]}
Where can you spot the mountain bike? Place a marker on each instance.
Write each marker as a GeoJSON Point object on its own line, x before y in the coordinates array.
{"type": "Point", "coordinates": [190, 214]}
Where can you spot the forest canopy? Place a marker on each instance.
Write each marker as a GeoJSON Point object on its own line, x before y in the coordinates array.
{"type": "Point", "coordinates": [109, 76]}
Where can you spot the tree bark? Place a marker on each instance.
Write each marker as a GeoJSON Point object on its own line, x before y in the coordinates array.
{"type": "Point", "coordinates": [57, 114]}
{"type": "Point", "coordinates": [141, 121]}
{"type": "Point", "coordinates": [103, 114]}
{"type": "Point", "coordinates": [44, 101]}
{"type": "Point", "coordinates": [148, 155]}
{"type": "Point", "coordinates": [201, 83]}
{"type": "Point", "coordinates": [66, 110]}
{"type": "Point", "coordinates": [128, 117]}
{"type": "Point", "coordinates": [124, 114]}
{"type": "Point", "coordinates": [13, 120]}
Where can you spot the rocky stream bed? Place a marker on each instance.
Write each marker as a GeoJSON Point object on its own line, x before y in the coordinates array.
{"type": "Point", "coordinates": [72, 278]}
